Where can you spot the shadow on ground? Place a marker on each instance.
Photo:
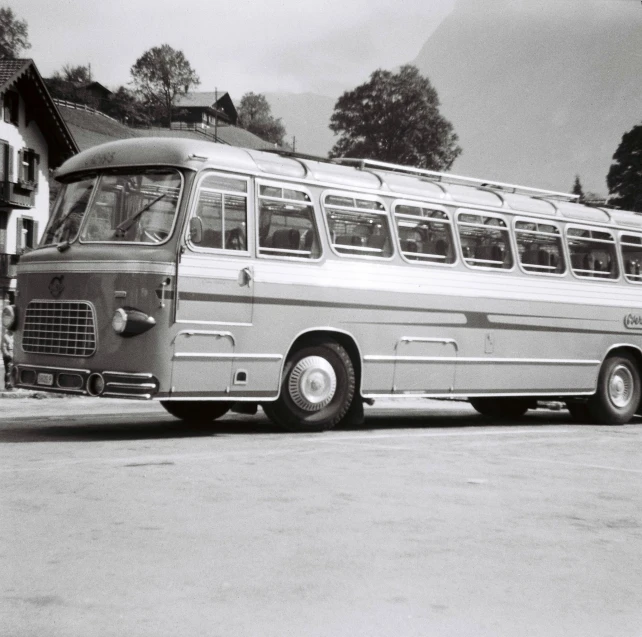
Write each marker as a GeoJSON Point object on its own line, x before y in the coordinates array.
{"type": "Point", "coordinates": [93, 428]}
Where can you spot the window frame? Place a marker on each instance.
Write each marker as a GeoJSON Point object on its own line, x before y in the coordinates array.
{"type": "Point", "coordinates": [418, 204]}
{"type": "Point", "coordinates": [385, 213]}
{"type": "Point", "coordinates": [11, 107]}
{"type": "Point", "coordinates": [507, 227]}
{"type": "Point", "coordinates": [561, 236]}
{"type": "Point", "coordinates": [621, 243]}
{"type": "Point", "coordinates": [587, 277]}
{"type": "Point", "coordinates": [248, 218]}
{"type": "Point", "coordinates": [311, 203]}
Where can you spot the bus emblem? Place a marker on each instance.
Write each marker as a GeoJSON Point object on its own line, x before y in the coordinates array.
{"type": "Point", "coordinates": [56, 286]}
{"type": "Point", "coordinates": [633, 321]}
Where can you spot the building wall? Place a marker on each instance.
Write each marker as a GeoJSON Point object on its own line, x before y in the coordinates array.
{"type": "Point", "coordinates": [19, 137]}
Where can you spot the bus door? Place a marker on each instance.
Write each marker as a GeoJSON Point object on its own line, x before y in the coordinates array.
{"type": "Point", "coordinates": [215, 290]}
{"type": "Point", "coordinates": [425, 364]}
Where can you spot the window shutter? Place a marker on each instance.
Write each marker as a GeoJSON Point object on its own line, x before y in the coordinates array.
{"type": "Point", "coordinates": [36, 168]}
{"type": "Point", "coordinates": [9, 163]}
{"type": "Point", "coordinates": [3, 160]}
{"type": "Point", "coordinates": [19, 236]}
{"type": "Point", "coordinates": [36, 237]}
{"type": "Point", "coordinates": [6, 107]}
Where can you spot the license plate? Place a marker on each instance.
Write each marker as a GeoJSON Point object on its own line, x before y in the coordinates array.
{"type": "Point", "coordinates": [45, 379]}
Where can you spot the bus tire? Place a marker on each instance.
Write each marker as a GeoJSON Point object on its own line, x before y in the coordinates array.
{"type": "Point", "coordinates": [317, 389]}
{"type": "Point", "coordinates": [618, 391]}
{"type": "Point", "coordinates": [197, 411]}
{"type": "Point", "coordinates": [501, 408]}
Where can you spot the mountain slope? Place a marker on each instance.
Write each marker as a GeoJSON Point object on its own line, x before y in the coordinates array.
{"type": "Point", "coordinates": [538, 91]}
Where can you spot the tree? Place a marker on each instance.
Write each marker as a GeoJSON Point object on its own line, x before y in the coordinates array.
{"type": "Point", "coordinates": [124, 106]}
{"type": "Point", "coordinates": [76, 74]}
{"type": "Point", "coordinates": [624, 179]}
{"type": "Point", "coordinates": [160, 75]}
{"type": "Point", "coordinates": [394, 117]}
{"type": "Point", "coordinates": [255, 115]}
{"type": "Point", "coordinates": [577, 189]}
{"type": "Point", "coordinates": [13, 34]}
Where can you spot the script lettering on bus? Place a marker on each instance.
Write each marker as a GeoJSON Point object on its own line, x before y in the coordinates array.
{"type": "Point", "coordinates": [100, 159]}
{"type": "Point", "coordinates": [633, 321]}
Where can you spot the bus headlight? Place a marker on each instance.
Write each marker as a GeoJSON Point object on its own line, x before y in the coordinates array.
{"type": "Point", "coordinates": [128, 321]}
{"type": "Point", "coordinates": [9, 317]}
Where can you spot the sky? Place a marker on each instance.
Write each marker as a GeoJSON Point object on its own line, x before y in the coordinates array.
{"type": "Point", "coordinates": [294, 46]}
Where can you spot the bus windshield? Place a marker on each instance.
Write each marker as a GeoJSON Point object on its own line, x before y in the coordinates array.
{"type": "Point", "coordinates": [132, 206]}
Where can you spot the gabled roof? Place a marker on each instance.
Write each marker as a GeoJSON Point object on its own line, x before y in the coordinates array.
{"type": "Point", "coordinates": [220, 100]}
{"type": "Point", "coordinates": [23, 76]}
{"type": "Point", "coordinates": [202, 99]}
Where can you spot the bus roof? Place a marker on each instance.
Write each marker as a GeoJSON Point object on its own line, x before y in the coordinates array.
{"type": "Point", "coordinates": [351, 173]}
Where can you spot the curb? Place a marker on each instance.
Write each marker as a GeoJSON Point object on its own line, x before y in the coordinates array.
{"type": "Point", "coordinates": [17, 394]}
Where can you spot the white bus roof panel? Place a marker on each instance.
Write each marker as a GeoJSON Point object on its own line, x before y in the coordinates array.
{"type": "Point", "coordinates": [522, 203]}
{"type": "Point", "coordinates": [405, 185]}
{"type": "Point", "coordinates": [579, 212]}
{"type": "Point", "coordinates": [622, 218]}
{"type": "Point", "coordinates": [472, 195]}
{"type": "Point", "coordinates": [342, 175]}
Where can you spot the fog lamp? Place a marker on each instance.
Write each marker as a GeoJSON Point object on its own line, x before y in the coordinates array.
{"type": "Point", "coordinates": [128, 321]}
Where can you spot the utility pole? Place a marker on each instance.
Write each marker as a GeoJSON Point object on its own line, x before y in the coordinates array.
{"type": "Point", "coordinates": [215, 114]}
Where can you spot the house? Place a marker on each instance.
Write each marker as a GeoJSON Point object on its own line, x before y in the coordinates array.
{"type": "Point", "coordinates": [33, 140]}
{"type": "Point", "coordinates": [205, 110]}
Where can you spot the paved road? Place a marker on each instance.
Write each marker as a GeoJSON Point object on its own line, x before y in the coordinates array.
{"type": "Point", "coordinates": [117, 520]}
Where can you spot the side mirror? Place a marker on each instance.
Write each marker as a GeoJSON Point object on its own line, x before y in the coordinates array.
{"type": "Point", "coordinates": [195, 230]}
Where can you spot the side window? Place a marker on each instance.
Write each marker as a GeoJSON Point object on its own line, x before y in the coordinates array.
{"type": "Point", "coordinates": [592, 253]}
{"type": "Point", "coordinates": [485, 241]}
{"type": "Point", "coordinates": [539, 247]}
{"type": "Point", "coordinates": [221, 214]}
{"type": "Point", "coordinates": [424, 234]}
{"type": "Point", "coordinates": [632, 257]}
{"type": "Point", "coordinates": [286, 223]}
{"type": "Point", "coordinates": [11, 105]}
{"type": "Point", "coordinates": [358, 227]}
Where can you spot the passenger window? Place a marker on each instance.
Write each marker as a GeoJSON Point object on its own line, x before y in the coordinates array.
{"type": "Point", "coordinates": [358, 227]}
{"type": "Point", "coordinates": [424, 234]}
{"type": "Point", "coordinates": [222, 211]}
{"type": "Point", "coordinates": [632, 257]}
{"type": "Point", "coordinates": [592, 253]}
{"type": "Point", "coordinates": [539, 247]}
{"type": "Point", "coordinates": [485, 241]}
{"type": "Point", "coordinates": [286, 224]}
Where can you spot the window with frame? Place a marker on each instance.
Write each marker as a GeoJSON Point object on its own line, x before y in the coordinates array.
{"type": "Point", "coordinates": [358, 227]}
{"type": "Point", "coordinates": [424, 234]}
{"type": "Point", "coordinates": [26, 234]}
{"type": "Point", "coordinates": [485, 241]}
{"type": "Point", "coordinates": [539, 247]}
{"type": "Point", "coordinates": [221, 211]}
{"type": "Point", "coordinates": [593, 253]}
{"type": "Point", "coordinates": [28, 168]}
{"type": "Point", "coordinates": [11, 107]}
{"type": "Point", "coordinates": [287, 227]}
{"type": "Point", "coordinates": [631, 246]}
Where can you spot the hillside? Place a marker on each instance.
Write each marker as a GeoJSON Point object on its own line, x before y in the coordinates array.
{"type": "Point", "coordinates": [538, 91]}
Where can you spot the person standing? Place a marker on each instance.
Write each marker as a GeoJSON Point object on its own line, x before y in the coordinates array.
{"type": "Point", "coordinates": [7, 357]}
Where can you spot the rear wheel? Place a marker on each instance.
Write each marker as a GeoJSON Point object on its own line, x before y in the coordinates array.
{"type": "Point", "coordinates": [317, 388]}
{"type": "Point", "coordinates": [201, 411]}
{"type": "Point", "coordinates": [618, 391]}
{"type": "Point", "coordinates": [501, 408]}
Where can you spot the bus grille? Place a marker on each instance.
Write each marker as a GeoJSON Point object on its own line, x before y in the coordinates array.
{"type": "Point", "coordinates": [66, 328]}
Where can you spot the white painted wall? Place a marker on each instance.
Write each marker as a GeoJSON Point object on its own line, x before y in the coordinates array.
{"type": "Point", "coordinates": [27, 136]}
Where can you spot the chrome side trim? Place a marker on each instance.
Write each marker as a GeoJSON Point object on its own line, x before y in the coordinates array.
{"type": "Point", "coordinates": [420, 339]}
{"type": "Point", "coordinates": [493, 361]}
{"type": "Point", "coordinates": [247, 357]}
{"type": "Point", "coordinates": [206, 333]}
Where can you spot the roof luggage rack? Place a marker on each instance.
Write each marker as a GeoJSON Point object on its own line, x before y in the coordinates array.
{"type": "Point", "coordinates": [372, 164]}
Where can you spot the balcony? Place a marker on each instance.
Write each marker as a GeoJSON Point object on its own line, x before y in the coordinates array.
{"type": "Point", "coordinates": [17, 195]}
{"type": "Point", "coordinates": [8, 263]}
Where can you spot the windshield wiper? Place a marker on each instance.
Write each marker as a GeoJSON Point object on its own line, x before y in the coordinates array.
{"type": "Point", "coordinates": [124, 226]}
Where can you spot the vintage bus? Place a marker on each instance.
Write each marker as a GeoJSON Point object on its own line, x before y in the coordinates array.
{"type": "Point", "coordinates": [211, 277]}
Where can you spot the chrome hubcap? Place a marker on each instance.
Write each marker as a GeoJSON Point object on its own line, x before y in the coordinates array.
{"type": "Point", "coordinates": [621, 386]}
{"type": "Point", "coordinates": [312, 383]}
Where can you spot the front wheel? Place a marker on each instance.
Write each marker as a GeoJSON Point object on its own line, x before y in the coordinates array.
{"type": "Point", "coordinates": [317, 388]}
{"type": "Point", "coordinates": [197, 411]}
{"type": "Point", "coordinates": [618, 391]}
{"type": "Point", "coordinates": [501, 408]}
